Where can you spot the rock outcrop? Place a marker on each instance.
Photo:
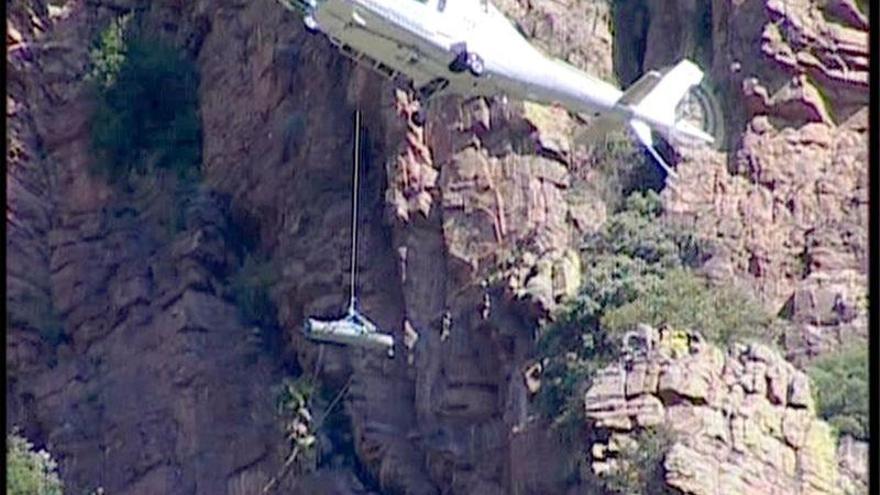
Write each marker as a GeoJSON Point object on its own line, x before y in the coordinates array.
{"type": "Point", "coordinates": [798, 60]}
{"type": "Point", "coordinates": [577, 31]}
{"type": "Point", "coordinates": [791, 223]}
{"type": "Point", "coordinates": [487, 200]}
{"type": "Point", "coordinates": [743, 421]}
{"type": "Point", "coordinates": [787, 203]}
{"type": "Point", "coordinates": [853, 462]}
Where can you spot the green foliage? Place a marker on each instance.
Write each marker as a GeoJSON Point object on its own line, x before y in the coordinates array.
{"type": "Point", "coordinates": [29, 472]}
{"type": "Point", "coordinates": [146, 114]}
{"type": "Point", "coordinates": [840, 385]}
{"type": "Point", "coordinates": [623, 169]}
{"type": "Point", "coordinates": [683, 300]}
{"type": "Point", "coordinates": [250, 290]}
{"type": "Point", "coordinates": [633, 250]}
{"type": "Point", "coordinates": [305, 409]}
{"type": "Point", "coordinates": [293, 405]}
{"type": "Point", "coordinates": [639, 469]}
{"type": "Point", "coordinates": [825, 98]}
{"type": "Point", "coordinates": [863, 302]}
{"type": "Point", "coordinates": [293, 395]}
{"type": "Point", "coordinates": [637, 269]}
{"type": "Point", "coordinates": [564, 382]}
{"type": "Point", "coordinates": [109, 53]}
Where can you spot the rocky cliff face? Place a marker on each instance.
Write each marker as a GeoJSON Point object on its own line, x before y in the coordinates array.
{"type": "Point", "coordinates": [125, 358]}
{"type": "Point", "coordinates": [788, 202]}
{"type": "Point", "coordinates": [742, 421]}
{"type": "Point", "coordinates": [154, 385]}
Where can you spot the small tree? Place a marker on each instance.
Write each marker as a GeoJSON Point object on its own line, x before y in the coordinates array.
{"type": "Point", "coordinates": [29, 472]}
{"type": "Point", "coordinates": [639, 469]}
{"type": "Point", "coordinates": [250, 288]}
{"type": "Point", "coordinates": [108, 54]}
{"type": "Point", "coordinates": [684, 300]}
{"type": "Point", "coordinates": [293, 403]}
{"type": "Point", "coordinates": [634, 249]}
{"type": "Point", "coordinates": [147, 112]}
{"type": "Point", "coordinates": [620, 168]}
{"type": "Point", "coordinates": [840, 385]}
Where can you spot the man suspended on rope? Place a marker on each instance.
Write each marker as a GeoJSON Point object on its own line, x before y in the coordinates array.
{"type": "Point", "coordinates": [354, 328]}
{"type": "Point", "coordinates": [486, 305]}
{"type": "Point", "coordinates": [445, 325]}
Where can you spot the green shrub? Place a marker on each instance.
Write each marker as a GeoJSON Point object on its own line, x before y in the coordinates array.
{"type": "Point", "coordinates": [634, 247]}
{"type": "Point", "coordinates": [146, 115]}
{"type": "Point", "coordinates": [840, 385]}
{"type": "Point", "coordinates": [293, 406]}
{"type": "Point", "coordinates": [250, 289]}
{"type": "Point", "coordinates": [633, 250]}
{"type": "Point", "coordinates": [683, 300]}
{"type": "Point", "coordinates": [108, 54]}
{"type": "Point", "coordinates": [640, 464]}
{"type": "Point", "coordinates": [29, 472]}
{"type": "Point", "coordinates": [564, 382]}
{"type": "Point", "coordinates": [637, 269]}
{"type": "Point", "coordinates": [315, 424]}
{"type": "Point", "coordinates": [623, 169]}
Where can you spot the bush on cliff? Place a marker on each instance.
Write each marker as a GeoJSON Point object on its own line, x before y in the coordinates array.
{"type": "Point", "coordinates": [108, 54]}
{"type": "Point", "coordinates": [29, 472]}
{"type": "Point", "coordinates": [633, 250]}
{"type": "Point", "coordinates": [840, 384]}
{"type": "Point", "coordinates": [146, 116]}
{"type": "Point", "coordinates": [639, 468]}
{"type": "Point", "coordinates": [622, 169]}
{"type": "Point", "coordinates": [250, 287]}
{"type": "Point", "coordinates": [683, 300]}
{"type": "Point", "coordinates": [637, 269]}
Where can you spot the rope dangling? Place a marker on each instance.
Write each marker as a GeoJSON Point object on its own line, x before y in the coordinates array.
{"type": "Point", "coordinates": [354, 210]}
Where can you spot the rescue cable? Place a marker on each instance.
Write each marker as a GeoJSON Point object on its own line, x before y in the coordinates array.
{"type": "Point", "coordinates": [354, 209]}
{"type": "Point", "coordinates": [354, 328]}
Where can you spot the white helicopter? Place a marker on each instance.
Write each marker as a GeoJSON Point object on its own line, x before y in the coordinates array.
{"type": "Point", "coordinates": [469, 48]}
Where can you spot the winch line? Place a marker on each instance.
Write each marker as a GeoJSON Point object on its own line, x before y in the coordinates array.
{"type": "Point", "coordinates": [354, 207]}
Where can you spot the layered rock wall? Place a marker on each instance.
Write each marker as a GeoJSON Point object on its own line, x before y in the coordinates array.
{"type": "Point", "coordinates": [127, 360]}
{"type": "Point", "coordinates": [743, 421]}
{"type": "Point", "coordinates": [787, 203]}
